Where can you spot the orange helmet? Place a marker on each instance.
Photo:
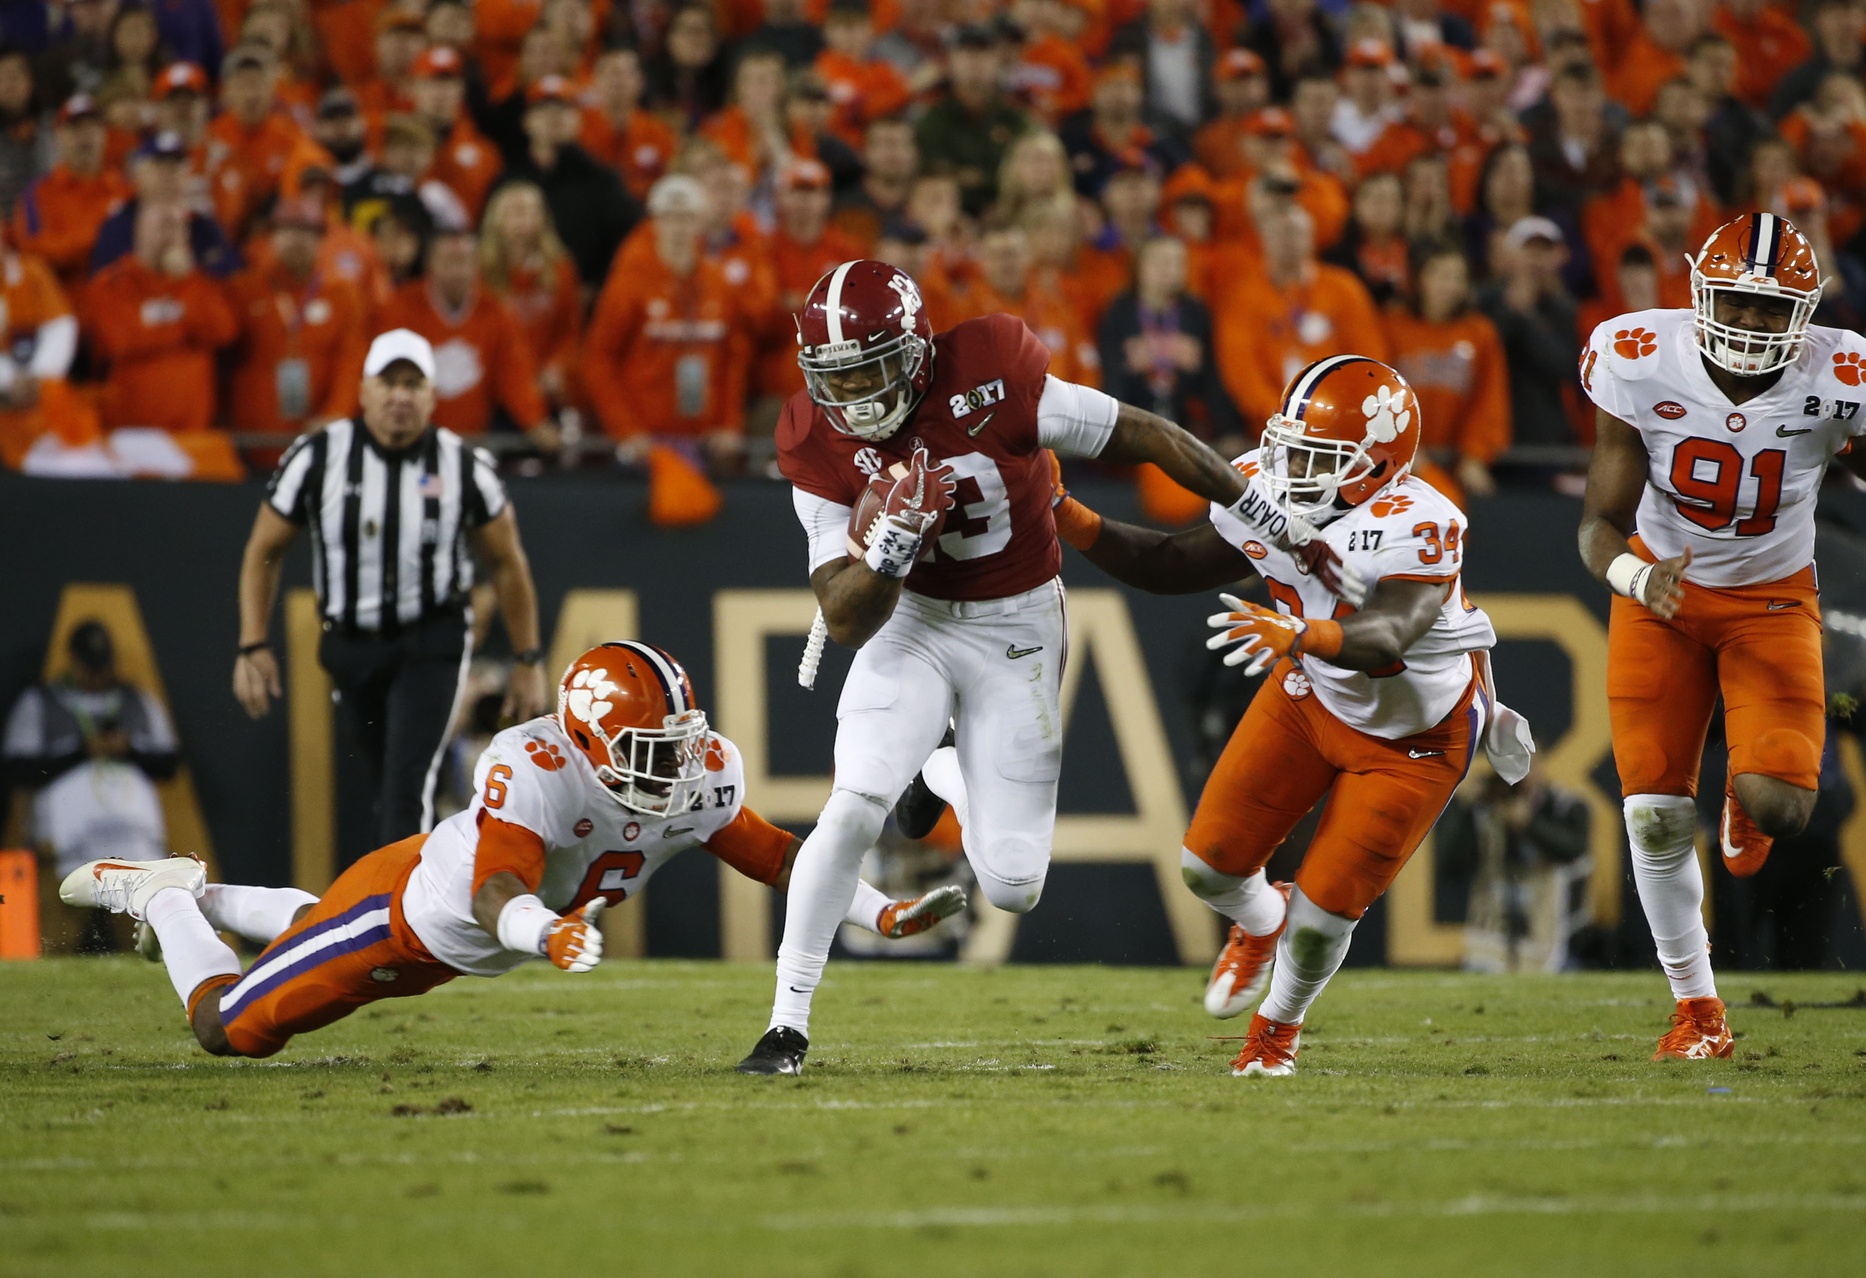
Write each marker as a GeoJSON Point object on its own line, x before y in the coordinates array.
{"type": "Point", "coordinates": [1757, 253]}
{"type": "Point", "coordinates": [629, 708]}
{"type": "Point", "coordinates": [1347, 428]}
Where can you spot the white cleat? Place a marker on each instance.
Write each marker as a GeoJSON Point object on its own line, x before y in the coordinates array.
{"type": "Point", "coordinates": [124, 887]}
{"type": "Point", "coordinates": [910, 918]}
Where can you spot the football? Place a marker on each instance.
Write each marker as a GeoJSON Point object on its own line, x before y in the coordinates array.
{"type": "Point", "coordinates": [865, 519]}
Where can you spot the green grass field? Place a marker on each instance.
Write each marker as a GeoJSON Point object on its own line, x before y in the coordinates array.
{"type": "Point", "coordinates": [1063, 1121]}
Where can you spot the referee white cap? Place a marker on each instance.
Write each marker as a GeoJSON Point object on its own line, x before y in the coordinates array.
{"type": "Point", "coordinates": [399, 343]}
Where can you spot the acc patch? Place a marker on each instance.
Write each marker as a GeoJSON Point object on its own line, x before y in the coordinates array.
{"type": "Point", "coordinates": [1256, 549]}
{"type": "Point", "coordinates": [583, 827]}
{"type": "Point", "coordinates": [1670, 409]}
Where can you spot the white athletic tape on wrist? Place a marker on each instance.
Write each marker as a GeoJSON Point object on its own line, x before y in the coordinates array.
{"type": "Point", "coordinates": [523, 924]}
{"type": "Point", "coordinates": [894, 550]}
{"type": "Point", "coordinates": [1627, 575]}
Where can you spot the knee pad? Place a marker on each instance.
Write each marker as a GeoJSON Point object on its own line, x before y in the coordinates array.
{"type": "Point", "coordinates": [1786, 755]}
{"type": "Point", "coordinates": [1661, 827]}
{"type": "Point", "coordinates": [1204, 879]}
{"type": "Point", "coordinates": [1003, 873]}
{"type": "Point", "coordinates": [854, 816]}
{"type": "Point", "coordinates": [1316, 937]}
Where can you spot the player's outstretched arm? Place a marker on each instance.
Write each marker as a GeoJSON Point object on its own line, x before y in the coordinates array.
{"type": "Point", "coordinates": [1376, 637]}
{"type": "Point", "coordinates": [1616, 479]}
{"type": "Point", "coordinates": [510, 912]}
{"type": "Point", "coordinates": [1180, 563]}
{"type": "Point", "coordinates": [1140, 436]}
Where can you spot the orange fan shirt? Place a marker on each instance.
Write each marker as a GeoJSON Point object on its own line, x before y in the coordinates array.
{"type": "Point", "coordinates": [300, 356]}
{"type": "Point", "coordinates": [549, 310]}
{"type": "Point", "coordinates": [1613, 219]}
{"type": "Point", "coordinates": [1264, 334]}
{"type": "Point", "coordinates": [860, 92]}
{"type": "Point", "coordinates": [797, 268]}
{"type": "Point", "coordinates": [1459, 372]}
{"type": "Point", "coordinates": [30, 298]}
{"type": "Point", "coordinates": [1772, 45]}
{"type": "Point", "coordinates": [158, 335]}
{"type": "Point", "coordinates": [1642, 71]}
{"type": "Point", "coordinates": [468, 162]}
{"type": "Point", "coordinates": [60, 214]}
{"type": "Point", "coordinates": [1058, 324]}
{"type": "Point", "coordinates": [347, 34]}
{"type": "Point", "coordinates": [1053, 76]}
{"type": "Point", "coordinates": [667, 354]}
{"type": "Point", "coordinates": [639, 149]}
{"type": "Point", "coordinates": [481, 358]}
{"type": "Point", "coordinates": [244, 166]}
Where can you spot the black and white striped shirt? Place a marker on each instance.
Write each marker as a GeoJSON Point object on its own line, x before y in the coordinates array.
{"type": "Point", "coordinates": [388, 530]}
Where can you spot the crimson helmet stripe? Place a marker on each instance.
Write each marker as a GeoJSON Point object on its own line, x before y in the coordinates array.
{"type": "Point", "coordinates": [1296, 403]}
{"type": "Point", "coordinates": [832, 306]}
{"type": "Point", "coordinates": [672, 677]}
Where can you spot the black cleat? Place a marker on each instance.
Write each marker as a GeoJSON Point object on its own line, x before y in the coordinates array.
{"type": "Point", "coordinates": [780, 1051]}
{"type": "Point", "coordinates": [918, 809]}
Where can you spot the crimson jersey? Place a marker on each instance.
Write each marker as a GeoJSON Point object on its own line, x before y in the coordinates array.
{"type": "Point", "coordinates": [979, 416]}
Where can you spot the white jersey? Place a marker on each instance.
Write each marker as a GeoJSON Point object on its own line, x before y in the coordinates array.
{"type": "Point", "coordinates": [1735, 482]}
{"type": "Point", "coordinates": [1411, 531]}
{"type": "Point", "coordinates": [532, 776]}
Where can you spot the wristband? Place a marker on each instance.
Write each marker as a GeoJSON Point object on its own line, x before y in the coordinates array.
{"type": "Point", "coordinates": [894, 550]}
{"type": "Point", "coordinates": [1627, 574]}
{"type": "Point", "coordinates": [1321, 639]}
{"type": "Point", "coordinates": [529, 657]}
{"type": "Point", "coordinates": [523, 924]}
{"type": "Point", "coordinates": [248, 649]}
{"type": "Point", "coordinates": [1076, 523]}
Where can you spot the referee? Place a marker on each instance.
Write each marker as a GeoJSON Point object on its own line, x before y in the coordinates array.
{"type": "Point", "coordinates": [393, 504]}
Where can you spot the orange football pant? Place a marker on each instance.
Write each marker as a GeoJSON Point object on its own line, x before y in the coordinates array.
{"type": "Point", "coordinates": [353, 947]}
{"type": "Point", "coordinates": [1383, 796]}
{"type": "Point", "coordinates": [1760, 646]}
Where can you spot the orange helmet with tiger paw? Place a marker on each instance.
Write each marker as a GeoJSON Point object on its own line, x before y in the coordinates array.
{"type": "Point", "coordinates": [1347, 428]}
{"type": "Point", "coordinates": [1757, 254]}
{"type": "Point", "coordinates": [628, 707]}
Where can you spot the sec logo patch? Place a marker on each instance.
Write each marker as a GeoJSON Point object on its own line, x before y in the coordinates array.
{"type": "Point", "coordinates": [582, 828]}
{"type": "Point", "coordinates": [1671, 410]}
{"type": "Point", "coordinates": [1256, 549]}
{"type": "Point", "coordinates": [1735, 422]}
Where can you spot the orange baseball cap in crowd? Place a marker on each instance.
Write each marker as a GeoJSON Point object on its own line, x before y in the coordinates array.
{"type": "Point", "coordinates": [1485, 65]}
{"type": "Point", "coordinates": [804, 174]}
{"type": "Point", "coordinates": [1801, 196]}
{"type": "Point", "coordinates": [1370, 52]}
{"type": "Point", "coordinates": [303, 211]}
{"type": "Point", "coordinates": [1117, 70]}
{"type": "Point", "coordinates": [1189, 182]}
{"type": "Point", "coordinates": [180, 77]}
{"type": "Point", "coordinates": [402, 20]}
{"type": "Point", "coordinates": [79, 106]}
{"type": "Point", "coordinates": [551, 88]}
{"type": "Point", "coordinates": [438, 63]}
{"type": "Point", "coordinates": [1239, 63]}
{"type": "Point", "coordinates": [1271, 122]}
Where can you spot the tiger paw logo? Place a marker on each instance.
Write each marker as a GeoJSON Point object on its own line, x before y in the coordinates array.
{"type": "Point", "coordinates": [1847, 368]}
{"type": "Point", "coordinates": [588, 696]}
{"type": "Point", "coordinates": [1391, 505]}
{"type": "Point", "coordinates": [1248, 469]}
{"type": "Point", "coordinates": [546, 756]}
{"type": "Point", "coordinates": [1296, 685]}
{"type": "Point", "coordinates": [1387, 415]}
{"type": "Point", "coordinates": [1635, 343]}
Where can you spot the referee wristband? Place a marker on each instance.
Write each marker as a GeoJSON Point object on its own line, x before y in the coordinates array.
{"type": "Point", "coordinates": [523, 924]}
{"type": "Point", "coordinates": [529, 657]}
{"type": "Point", "coordinates": [1627, 575]}
{"type": "Point", "coordinates": [248, 649]}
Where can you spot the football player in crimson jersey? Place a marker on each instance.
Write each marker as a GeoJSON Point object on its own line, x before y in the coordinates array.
{"type": "Point", "coordinates": [1378, 698]}
{"type": "Point", "coordinates": [1714, 426]}
{"type": "Point", "coordinates": [965, 629]}
{"type": "Point", "coordinates": [574, 812]}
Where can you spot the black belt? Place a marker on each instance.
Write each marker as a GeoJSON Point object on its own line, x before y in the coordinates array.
{"type": "Point", "coordinates": [448, 613]}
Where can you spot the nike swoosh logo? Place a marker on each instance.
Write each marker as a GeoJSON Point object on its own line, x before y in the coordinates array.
{"type": "Point", "coordinates": [795, 990]}
{"type": "Point", "coordinates": [1012, 651]}
{"type": "Point", "coordinates": [671, 831]}
{"type": "Point", "coordinates": [983, 422]}
{"type": "Point", "coordinates": [1786, 433]}
{"type": "Point", "coordinates": [1777, 605]}
{"type": "Point", "coordinates": [1424, 754]}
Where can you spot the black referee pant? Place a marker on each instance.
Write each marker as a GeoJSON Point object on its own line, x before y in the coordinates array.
{"type": "Point", "coordinates": [396, 696]}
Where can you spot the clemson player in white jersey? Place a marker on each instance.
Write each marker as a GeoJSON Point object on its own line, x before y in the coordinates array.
{"type": "Point", "coordinates": [574, 812]}
{"type": "Point", "coordinates": [1714, 427]}
{"type": "Point", "coordinates": [1379, 699]}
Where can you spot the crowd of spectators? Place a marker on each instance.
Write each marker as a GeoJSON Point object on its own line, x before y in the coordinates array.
{"type": "Point", "coordinates": [603, 212]}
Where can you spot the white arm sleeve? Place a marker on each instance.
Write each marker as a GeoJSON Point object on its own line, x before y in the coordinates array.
{"type": "Point", "coordinates": [1075, 420]}
{"type": "Point", "coordinates": [825, 523]}
{"type": "Point", "coordinates": [57, 345]}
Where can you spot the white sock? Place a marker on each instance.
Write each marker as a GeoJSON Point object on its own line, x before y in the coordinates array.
{"type": "Point", "coordinates": [256, 913]}
{"type": "Point", "coordinates": [822, 885]}
{"type": "Point", "coordinates": [190, 950]}
{"type": "Point", "coordinates": [865, 910]}
{"type": "Point", "coordinates": [942, 776]}
{"type": "Point", "coordinates": [1250, 901]}
{"type": "Point", "coordinates": [1662, 829]}
{"type": "Point", "coordinates": [1310, 951]}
